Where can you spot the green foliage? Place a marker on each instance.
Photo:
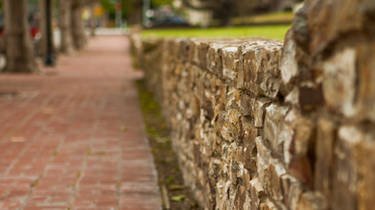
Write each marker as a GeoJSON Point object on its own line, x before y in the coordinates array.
{"type": "Point", "coordinates": [272, 32]}
{"type": "Point", "coordinates": [109, 7]}
{"type": "Point", "coordinates": [129, 6]}
{"type": "Point", "coordinates": [158, 3]}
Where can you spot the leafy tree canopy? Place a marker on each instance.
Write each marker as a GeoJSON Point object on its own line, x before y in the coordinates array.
{"type": "Point", "coordinates": [130, 6]}
{"type": "Point", "coordinates": [110, 6]}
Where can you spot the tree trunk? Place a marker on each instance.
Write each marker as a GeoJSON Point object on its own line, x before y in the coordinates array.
{"type": "Point", "coordinates": [65, 24]}
{"type": "Point", "coordinates": [19, 47]}
{"type": "Point", "coordinates": [78, 27]}
{"type": "Point", "coordinates": [135, 17]}
{"type": "Point", "coordinates": [224, 12]}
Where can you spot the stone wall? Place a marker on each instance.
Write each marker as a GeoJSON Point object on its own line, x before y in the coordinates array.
{"type": "Point", "coordinates": [261, 124]}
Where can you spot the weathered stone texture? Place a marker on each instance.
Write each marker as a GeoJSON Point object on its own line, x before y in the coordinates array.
{"type": "Point", "coordinates": [261, 125]}
{"type": "Point", "coordinates": [260, 73]}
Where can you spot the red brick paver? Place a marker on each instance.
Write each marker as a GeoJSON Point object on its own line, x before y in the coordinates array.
{"type": "Point", "coordinates": [75, 140]}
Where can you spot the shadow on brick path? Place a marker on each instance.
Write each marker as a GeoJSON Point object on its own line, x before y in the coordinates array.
{"type": "Point", "coordinates": [75, 140]}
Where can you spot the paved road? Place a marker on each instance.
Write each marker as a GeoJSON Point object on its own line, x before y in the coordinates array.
{"type": "Point", "coordinates": [75, 140]}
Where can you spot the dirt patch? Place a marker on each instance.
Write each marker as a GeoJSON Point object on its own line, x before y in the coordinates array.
{"type": "Point", "coordinates": [176, 195]}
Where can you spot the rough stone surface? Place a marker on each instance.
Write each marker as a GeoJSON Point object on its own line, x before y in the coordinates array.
{"type": "Point", "coordinates": [261, 125]}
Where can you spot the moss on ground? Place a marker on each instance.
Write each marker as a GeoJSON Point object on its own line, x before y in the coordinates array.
{"type": "Point", "coordinates": [169, 174]}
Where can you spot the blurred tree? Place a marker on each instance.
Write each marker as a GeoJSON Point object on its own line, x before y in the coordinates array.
{"type": "Point", "coordinates": [65, 25]}
{"type": "Point", "coordinates": [131, 9]}
{"type": "Point", "coordinates": [108, 6]}
{"type": "Point", "coordinates": [19, 48]}
{"type": "Point", "coordinates": [72, 25]}
{"type": "Point", "coordinates": [224, 10]}
{"type": "Point", "coordinates": [78, 26]}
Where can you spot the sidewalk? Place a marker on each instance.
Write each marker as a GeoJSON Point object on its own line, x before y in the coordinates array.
{"type": "Point", "coordinates": [75, 140]}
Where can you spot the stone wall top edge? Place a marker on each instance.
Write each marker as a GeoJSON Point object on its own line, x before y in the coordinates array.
{"type": "Point", "coordinates": [220, 41]}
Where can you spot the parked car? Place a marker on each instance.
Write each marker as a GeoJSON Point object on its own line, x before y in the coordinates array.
{"type": "Point", "coordinates": [170, 21]}
{"type": "Point", "coordinates": [164, 17]}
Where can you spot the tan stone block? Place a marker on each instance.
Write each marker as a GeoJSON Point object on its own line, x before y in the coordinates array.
{"type": "Point", "coordinates": [214, 58]}
{"type": "Point", "coordinates": [260, 74]}
{"type": "Point", "coordinates": [246, 103]}
{"type": "Point", "coordinates": [365, 96]}
{"type": "Point", "coordinates": [345, 169]}
{"type": "Point", "coordinates": [295, 135]}
{"type": "Point", "coordinates": [249, 154]}
{"type": "Point", "coordinates": [256, 192]}
{"type": "Point", "coordinates": [270, 170]}
{"type": "Point", "coordinates": [292, 190]}
{"type": "Point", "coordinates": [312, 201]}
{"type": "Point", "coordinates": [326, 134]}
{"type": "Point", "coordinates": [194, 51]}
{"type": "Point", "coordinates": [273, 124]}
{"type": "Point", "coordinates": [354, 171]}
{"type": "Point", "coordinates": [366, 168]}
{"type": "Point", "coordinates": [149, 45]}
{"type": "Point", "coordinates": [174, 49]}
{"type": "Point", "coordinates": [202, 52]}
{"type": "Point", "coordinates": [247, 202]}
{"type": "Point", "coordinates": [327, 20]}
{"type": "Point", "coordinates": [293, 97]}
{"type": "Point", "coordinates": [269, 204]}
{"type": "Point", "coordinates": [259, 111]}
{"type": "Point", "coordinates": [231, 62]}
{"type": "Point", "coordinates": [339, 82]}
{"type": "Point", "coordinates": [288, 64]}
{"type": "Point", "coordinates": [184, 49]}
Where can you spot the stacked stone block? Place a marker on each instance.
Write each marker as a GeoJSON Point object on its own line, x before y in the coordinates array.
{"type": "Point", "coordinates": [260, 124]}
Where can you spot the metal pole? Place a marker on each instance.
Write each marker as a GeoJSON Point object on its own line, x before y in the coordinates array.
{"type": "Point", "coordinates": [146, 7]}
{"type": "Point", "coordinates": [118, 18]}
{"type": "Point", "coordinates": [50, 56]}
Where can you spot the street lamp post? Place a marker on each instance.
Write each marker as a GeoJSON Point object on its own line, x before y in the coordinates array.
{"type": "Point", "coordinates": [50, 54]}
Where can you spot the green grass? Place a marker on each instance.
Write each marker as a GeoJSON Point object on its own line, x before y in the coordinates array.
{"type": "Point", "coordinates": [271, 32]}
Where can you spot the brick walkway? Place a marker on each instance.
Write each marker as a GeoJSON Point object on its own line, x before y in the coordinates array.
{"type": "Point", "coordinates": [75, 140]}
